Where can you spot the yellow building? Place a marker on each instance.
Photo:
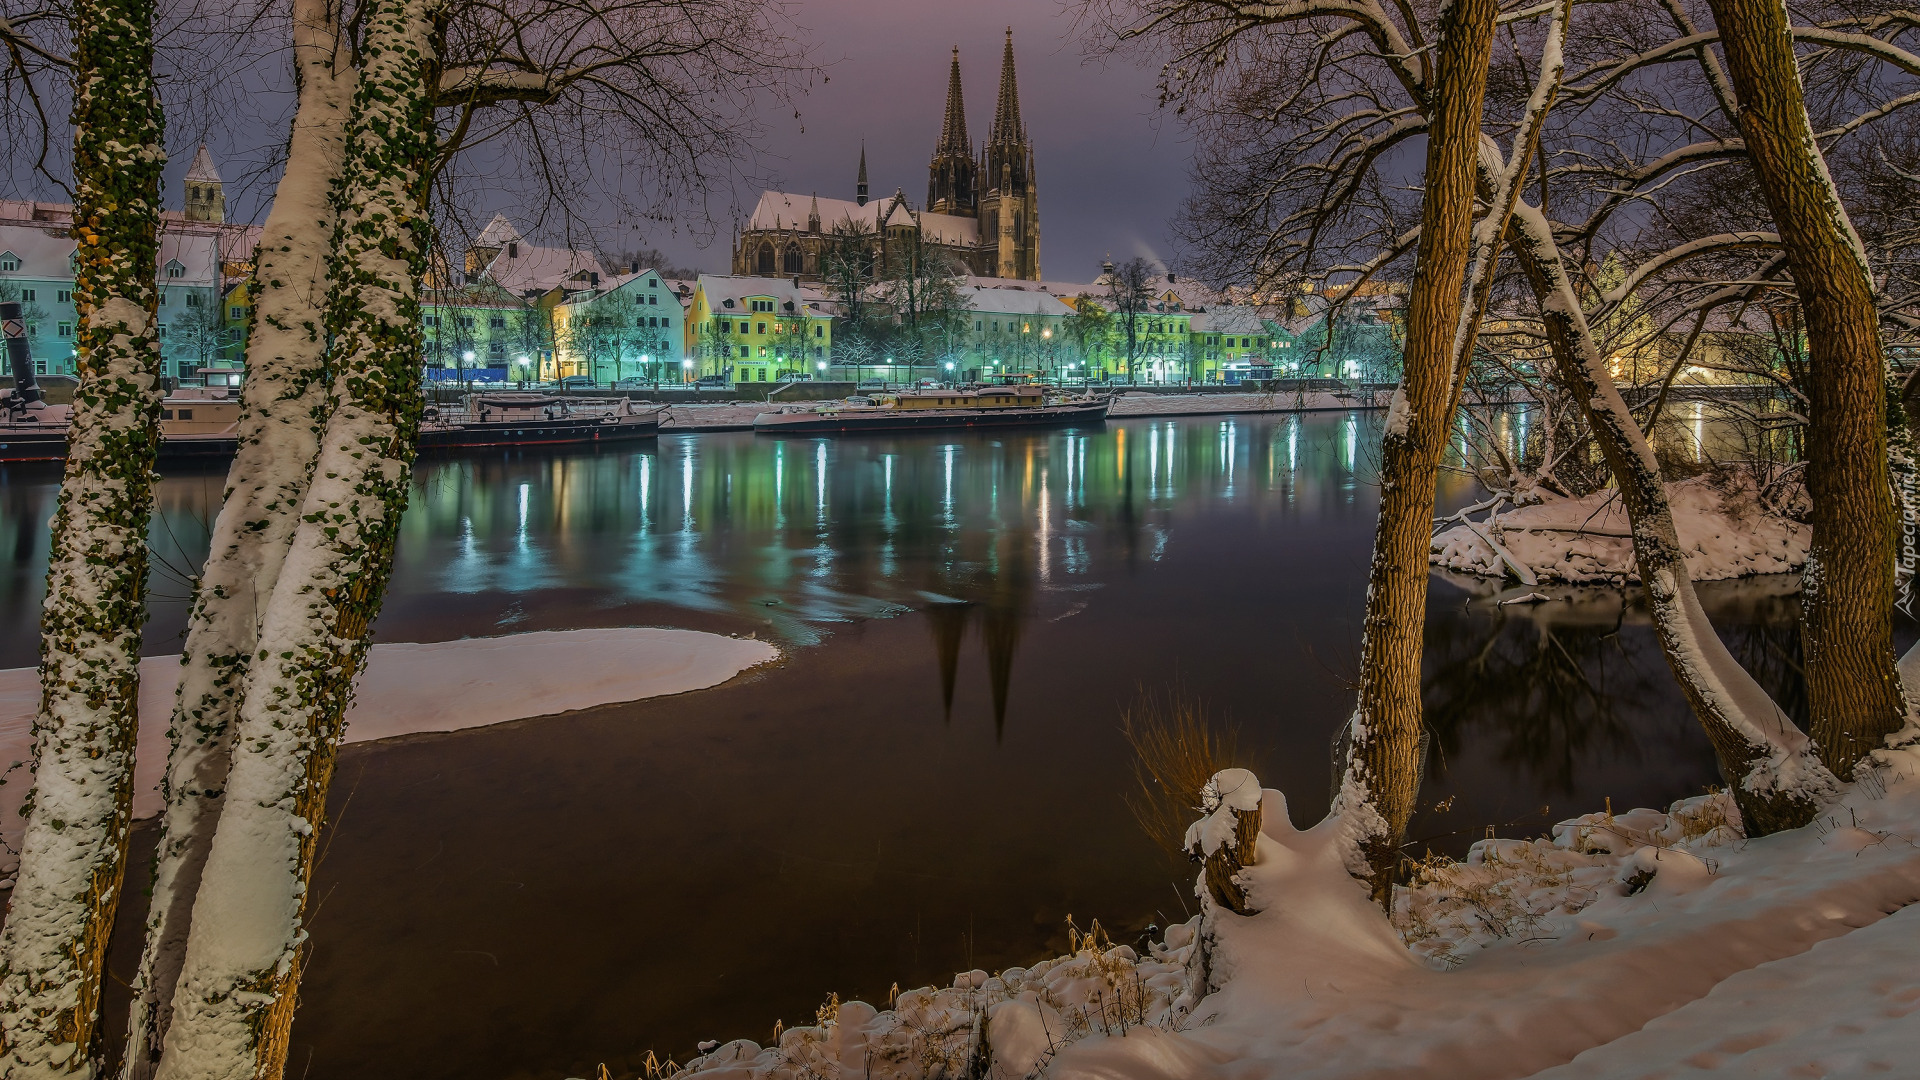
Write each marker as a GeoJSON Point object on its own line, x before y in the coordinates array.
{"type": "Point", "coordinates": [756, 329]}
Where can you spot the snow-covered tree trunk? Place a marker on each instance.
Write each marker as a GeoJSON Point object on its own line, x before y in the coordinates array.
{"type": "Point", "coordinates": [1381, 779]}
{"type": "Point", "coordinates": [1776, 775]}
{"type": "Point", "coordinates": [79, 812]}
{"type": "Point", "coordinates": [1846, 604]}
{"type": "Point", "coordinates": [237, 989]}
{"type": "Point", "coordinates": [283, 406]}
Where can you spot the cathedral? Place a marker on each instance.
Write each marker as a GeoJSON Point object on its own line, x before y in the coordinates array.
{"type": "Point", "coordinates": [982, 208]}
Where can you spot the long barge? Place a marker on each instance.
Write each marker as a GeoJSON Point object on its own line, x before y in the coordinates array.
{"type": "Point", "coordinates": [934, 410]}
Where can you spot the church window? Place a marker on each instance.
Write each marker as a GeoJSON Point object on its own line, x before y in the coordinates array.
{"type": "Point", "coordinates": [763, 260]}
{"type": "Point", "coordinates": [792, 264]}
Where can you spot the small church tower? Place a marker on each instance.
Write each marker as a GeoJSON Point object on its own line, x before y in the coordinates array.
{"type": "Point", "coordinates": [1009, 191]}
{"type": "Point", "coordinates": [950, 184]}
{"type": "Point", "coordinates": [206, 196]}
{"type": "Point", "coordinates": [860, 189]}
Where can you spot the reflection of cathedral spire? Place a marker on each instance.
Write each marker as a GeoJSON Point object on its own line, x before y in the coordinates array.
{"type": "Point", "coordinates": [1002, 633]}
{"type": "Point", "coordinates": [949, 622]}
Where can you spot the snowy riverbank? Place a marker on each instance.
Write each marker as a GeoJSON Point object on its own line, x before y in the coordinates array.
{"type": "Point", "coordinates": [1725, 528]}
{"type": "Point", "coordinates": [1644, 943]}
{"type": "Point", "coordinates": [412, 688]}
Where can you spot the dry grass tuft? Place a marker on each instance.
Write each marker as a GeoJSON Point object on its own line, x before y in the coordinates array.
{"type": "Point", "coordinates": [1177, 749]}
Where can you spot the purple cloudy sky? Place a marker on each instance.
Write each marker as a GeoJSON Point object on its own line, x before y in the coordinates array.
{"type": "Point", "coordinates": [1111, 171]}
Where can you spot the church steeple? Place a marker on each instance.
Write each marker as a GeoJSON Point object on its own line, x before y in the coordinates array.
{"type": "Point", "coordinates": [950, 176]}
{"type": "Point", "coordinates": [860, 190]}
{"type": "Point", "coordinates": [1006, 115]}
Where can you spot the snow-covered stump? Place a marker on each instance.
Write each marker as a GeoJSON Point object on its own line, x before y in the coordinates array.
{"type": "Point", "coordinates": [282, 407]}
{"type": "Point", "coordinates": [79, 812]}
{"type": "Point", "coordinates": [1227, 840]}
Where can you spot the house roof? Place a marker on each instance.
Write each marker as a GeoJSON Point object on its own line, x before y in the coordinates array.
{"type": "Point", "coordinates": [784, 210]}
{"type": "Point", "coordinates": [45, 254]}
{"type": "Point", "coordinates": [1228, 319]}
{"type": "Point", "coordinates": [720, 289]}
{"type": "Point", "coordinates": [1011, 301]}
{"type": "Point", "coordinates": [498, 233]}
{"type": "Point", "coordinates": [533, 269]}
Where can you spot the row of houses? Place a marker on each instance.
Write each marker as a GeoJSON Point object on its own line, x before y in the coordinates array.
{"type": "Point", "coordinates": [514, 310]}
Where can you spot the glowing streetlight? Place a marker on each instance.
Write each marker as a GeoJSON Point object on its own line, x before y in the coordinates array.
{"type": "Point", "coordinates": [949, 365]}
{"type": "Point", "coordinates": [467, 356]}
{"type": "Point", "coordinates": [820, 365]}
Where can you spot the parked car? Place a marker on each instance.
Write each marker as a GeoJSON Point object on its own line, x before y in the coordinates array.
{"type": "Point", "coordinates": [793, 376]}
{"type": "Point", "coordinates": [871, 384]}
{"type": "Point", "coordinates": [710, 382]}
{"type": "Point", "coordinates": [633, 382]}
{"type": "Point", "coordinates": [575, 382]}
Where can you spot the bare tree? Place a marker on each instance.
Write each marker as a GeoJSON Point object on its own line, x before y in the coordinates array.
{"type": "Point", "coordinates": [1129, 292]}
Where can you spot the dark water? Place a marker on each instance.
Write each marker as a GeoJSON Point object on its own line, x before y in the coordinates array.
{"type": "Point", "coordinates": [934, 779]}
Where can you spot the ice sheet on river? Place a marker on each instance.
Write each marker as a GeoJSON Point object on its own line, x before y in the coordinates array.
{"type": "Point", "coordinates": [413, 688]}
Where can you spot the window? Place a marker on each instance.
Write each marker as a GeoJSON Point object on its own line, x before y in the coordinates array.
{"type": "Point", "coordinates": [819, 331]}
{"type": "Point", "coordinates": [513, 251]}
{"type": "Point", "coordinates": [726, 326]}
{"type": "Point", "coordinates": [976, 326]}
{"type": "Point", "coordinates": [763, 350]}
{"type": "Point", "coordinates": [791, 261]}
{"type": "Point", "coordinates": [743, 351]}
{"type": "Point", "coordinates": [763, 260]}
{"type": "Point", "coordinates": [653, 283]}
{"type": "Point", "coordinates": [9, 262]}
{"type": "Point", "coordinates": [26, 296]}
{"type": "Point", "coordinates": [39, 367]}
{"type": "Point", "coordinates": [163, 332]}
{"type": "Point", "coordinates": [818, 351]}
{"type": "Point", "coordinates": [654, 300]}
{"type": "Point", "coordinates": [496, 350]}
{"type": "Point", "coordinates": [497, 322]}
{"type": "Point", "coordinates": [186, 414]}
{"type": "Point", "coordinates": [652, 322]}
{"type": "Point", "coordinates": [66, 329]}
{"type": "Point", "coordinates": [1246, 343]}
{"type": "Point", "coordinates": [193, 299]}
{"type": "Point", "coordinates": [65, 295]}
{"type": "Point", "coordinates": [429, 320]}
{"type": "Point", "coordinates": [241, 313]}
{"type": "Point", "coordinates": [763, 374]}
{"type": "Point", "coordinates": [466, 322]}
{"type": "Point", "coordinates": [760, 328]}
{"type": "Point", "coordinates": [175, 269]}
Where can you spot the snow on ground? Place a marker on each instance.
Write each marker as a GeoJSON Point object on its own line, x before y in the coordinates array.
{"type": "Point", "coordinates": [409, 688]}
{"type": "Point", "coordinates": [1725, 528]}
{"type": "Point", "coordinates": [1640, 944]}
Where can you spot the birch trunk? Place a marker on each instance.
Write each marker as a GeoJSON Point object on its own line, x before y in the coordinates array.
{"type": "Point", "coordinates": [79, 811]}
{"type": "Point", "coordinates": [237, 990]}
{"type": "Point", "coordinates": [1776, 776]}
{"type": "Point", "coordinates": [1846, 603]}
{"type": "Point", "coordinates": [282, 407]}
{"type": "Point", "coordinates": [1383, 765]}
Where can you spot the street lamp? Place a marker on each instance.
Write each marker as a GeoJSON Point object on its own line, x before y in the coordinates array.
{"type": "Point", "coordinates": [523, 372]}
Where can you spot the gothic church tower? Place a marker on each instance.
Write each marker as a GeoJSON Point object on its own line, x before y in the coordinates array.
{"type": "Point", "coordinates": [950, 183]}
{"type": "Point", "coordinates": [1009, 190]}
{"type": "Point", "coordinates": [206, 195]}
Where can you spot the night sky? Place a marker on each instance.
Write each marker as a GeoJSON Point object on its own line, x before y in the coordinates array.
{"type": "Point", "coordinates": [1112, 169]}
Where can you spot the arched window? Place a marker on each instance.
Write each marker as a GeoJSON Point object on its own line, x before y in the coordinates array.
{"type": "Point", "coordinates": [792, 259]}
{"type": "Point", "coordinates": [763, 260]}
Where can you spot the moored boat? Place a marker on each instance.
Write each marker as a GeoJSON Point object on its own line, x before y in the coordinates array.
{"type": "Point", "coordinates": [929, 410]}
{"type": "Point", "coordinates": [530, 419]}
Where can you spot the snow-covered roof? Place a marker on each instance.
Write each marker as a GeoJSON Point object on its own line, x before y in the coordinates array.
{"type": "Point", "coordinates": [47, 255]}
{"type": "Point", "coordinates": [198, 256]}
{"type": "Point", "coordinates": [1011, 301]}
{"type": "Point", "coordinates": [1228, 319]}
{"type": "Point", "coordinates": [529, 269]}
{"type": "Point", "coordinates": [720, 290]}
{"type": "Point", "coordinates": [202, 171]}
{"type": "Point", "coordinates": [785, 210]}
{"type": "Point", "coordinates": [498, 233]}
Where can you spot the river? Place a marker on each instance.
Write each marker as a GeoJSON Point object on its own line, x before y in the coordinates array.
{"type": "Point", "coordinates": [934, 778]}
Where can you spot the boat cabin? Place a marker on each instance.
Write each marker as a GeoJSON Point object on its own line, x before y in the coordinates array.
{"type": "Point", "coordinates": [190, 411]}
{"type": "Point", "coordinates": [993, 397]}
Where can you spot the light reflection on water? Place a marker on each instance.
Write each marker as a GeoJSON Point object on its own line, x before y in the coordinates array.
{"type": "Point", "coordinates": [966, 614]}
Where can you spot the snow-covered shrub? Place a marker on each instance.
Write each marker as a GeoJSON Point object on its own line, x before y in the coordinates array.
{"type": "Point", "coordinates": [1730, 525]}
{"type": "Point", "coordinates": [984, 1027]}
{"type": "Point", "coordinates": [1511, 888]}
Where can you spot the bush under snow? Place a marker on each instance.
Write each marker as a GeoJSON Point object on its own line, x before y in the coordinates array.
{"type": "Point", "coordinates": [1727, 529]}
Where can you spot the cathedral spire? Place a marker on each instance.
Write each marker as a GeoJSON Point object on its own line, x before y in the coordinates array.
{"type": "Point", "coordinates": [1006, 116]}
{"type": "Point", "coordinates": [860, 191]}
{"type": "Point", "coordinates": [953, 134]}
